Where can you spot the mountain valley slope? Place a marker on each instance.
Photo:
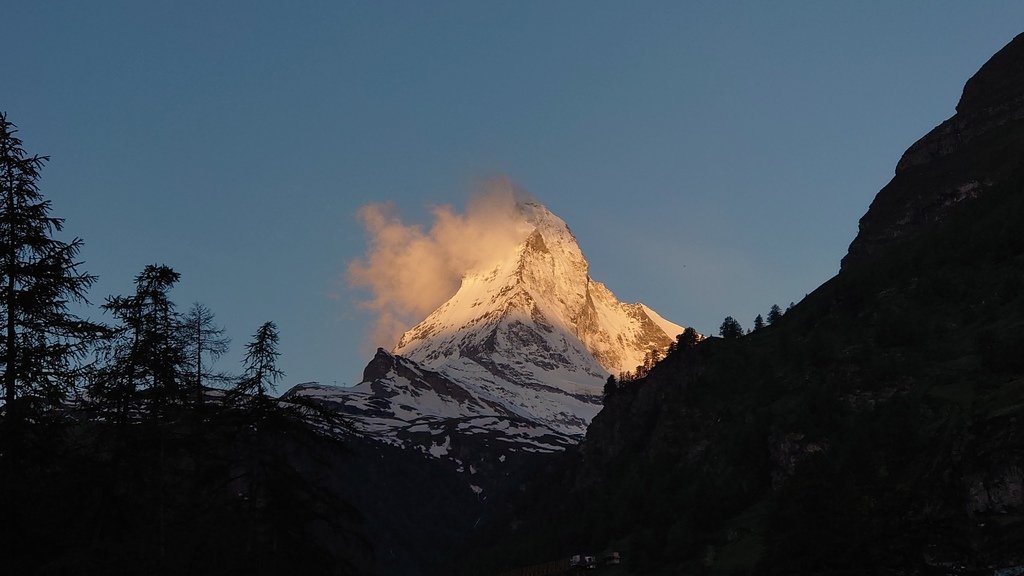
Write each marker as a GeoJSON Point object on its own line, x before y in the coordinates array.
{"type": "Point", "coordinates": [873, 429]}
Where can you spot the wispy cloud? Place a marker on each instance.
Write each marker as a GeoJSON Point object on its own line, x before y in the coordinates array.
{"type": "Point", "coordinates": [408, 271]}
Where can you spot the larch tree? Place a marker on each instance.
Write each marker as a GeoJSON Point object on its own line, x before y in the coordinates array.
{"type": "Point", "coordinates": [42, 340]}
{"type": "Point", "coordinates": [203, 339]}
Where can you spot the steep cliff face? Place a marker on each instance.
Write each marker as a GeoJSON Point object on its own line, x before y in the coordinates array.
{"type": "Point", "coordinates": [538, 310]}
{"type": "Point", "coordinates": [874, 429]}
{"type": "Point", "coordinates": [978, 148]}
{"type": "Point", "coordinates": [509, 368]}
{"type": "Point", "coordinates": [534, 333]}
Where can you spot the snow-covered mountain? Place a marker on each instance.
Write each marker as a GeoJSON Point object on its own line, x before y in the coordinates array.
{"type": "Point", "coordinates": [534, 331]}
{"type": "Point", "coordinates": [524, 347]}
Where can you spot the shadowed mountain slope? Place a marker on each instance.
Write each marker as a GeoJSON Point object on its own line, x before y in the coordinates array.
{"type": "Point", "coordinates": [875, 429]}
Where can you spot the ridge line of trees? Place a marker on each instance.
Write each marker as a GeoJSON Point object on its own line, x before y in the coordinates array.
{"type": "Point", "coordinates": [117, 453]}
{"type": "Point", "coordinates": [686, 341]}
{"type": "Point", "coordinates": [731, 328]}
{"type": "Point", "coordinates": [150, 362]}
{"type": "Point", "coordinates": [153, 355]}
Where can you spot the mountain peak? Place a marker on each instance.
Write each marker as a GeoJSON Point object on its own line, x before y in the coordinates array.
{"type": "Point", "coordinates": [534, 329]}
{"type": "Point", "coordinates": [521, 351]}
{"type": "Point", "coordinates": [546, 276]}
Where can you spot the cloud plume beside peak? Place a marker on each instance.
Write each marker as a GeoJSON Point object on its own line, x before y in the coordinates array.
{"type": "Point", "coordinates": [409, 272]}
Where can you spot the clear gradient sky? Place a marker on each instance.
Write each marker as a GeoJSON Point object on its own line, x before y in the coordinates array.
{"type": "Point", "coordinates": [712, 158]}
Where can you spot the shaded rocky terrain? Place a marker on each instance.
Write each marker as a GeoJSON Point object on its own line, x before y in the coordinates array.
{"type": "Point", "coordinates": [977, 149]}
{"type": "Point", "coordinates": [875, 428]}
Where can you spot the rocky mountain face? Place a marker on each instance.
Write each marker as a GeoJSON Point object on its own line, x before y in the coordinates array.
{"type": "Point", "coordinates": [512, 366]}
{"type": "Point", "coordinates": [975, 150]}
{"type": "Point", "coordinates": [535, 333]}
{"type": "Point", "coordinates": [538, 311]}
{"type": "Point", "coordinates": [874, 429]}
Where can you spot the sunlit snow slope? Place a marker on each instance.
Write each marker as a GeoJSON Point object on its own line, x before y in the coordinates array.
{"type": "Point", "coordinates": [535, 332]}
{"type": "Point", "coordinates": [516, 358]}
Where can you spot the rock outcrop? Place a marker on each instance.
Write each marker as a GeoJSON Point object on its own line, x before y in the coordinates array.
{"type": "Point", "coordinates": [979, 147]}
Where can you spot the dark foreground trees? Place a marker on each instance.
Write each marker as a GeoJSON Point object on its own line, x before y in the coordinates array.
{"type": "Point", "coordinates": [730, 328]}
{"type": "Point", "coordinates": [144, 479]}
{"type": "Point", "coordinates": [261, 372]}
{"type": "Point", "coordinates": [42, 340]}
{"type": "Point", "coordinates": [211, 490]}
{"type": "Point", "coordinates": [109, 462]}
{"type": "Point", "coordinates": [147, 353]}
{"type": "Point", "coordinates": [203, 340]}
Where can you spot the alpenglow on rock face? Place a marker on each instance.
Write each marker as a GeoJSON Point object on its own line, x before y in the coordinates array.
{"type": "Point", "coordinates": [535, 331]}
{"type": "Point", "coordinates": [523, 347]}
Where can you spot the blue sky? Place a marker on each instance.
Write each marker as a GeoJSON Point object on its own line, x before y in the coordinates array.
{"type": "Point", "coordinates": [711, 158]}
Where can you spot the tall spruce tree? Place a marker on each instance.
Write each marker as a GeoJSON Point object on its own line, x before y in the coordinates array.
{"type": "Point", "coordinates": [148, 352]}
{"type": "Point", "coordinates": [774, 314]}
{"type": "Point", "coordinates": [42, 341]}
{"type": "Point", "coordinates": [261, 372]}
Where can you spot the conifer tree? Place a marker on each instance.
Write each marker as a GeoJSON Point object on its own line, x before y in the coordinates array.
{"type": "Point", "coordinates": [202, 338]}
{"type": "Point", "coordinates": [688, 339]}
{"type": "Point", "coordinates": [148, 352]}
{"type": "Point", "coordinates": [261, 372]}
{"type": "Point", "coordinates": [41, 340]}
{"type": "Point", "coordinates": [774, 314]}
{"type": "Point", "coordinates": [758, 323]}
{"type": "Point", "coordinates": [611, 386]}
{"type": "Point", "coordinates": [730, 328]}
{"type": "Point", "coordinates": [652, 357]}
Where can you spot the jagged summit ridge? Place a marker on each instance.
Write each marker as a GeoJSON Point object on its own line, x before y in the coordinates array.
{"type": "Point", "coordinates": [537, 307]}
{"type": "Point", "coordinates": [532, 330]}
{"type": "Point", "coordinates": [519, 354]}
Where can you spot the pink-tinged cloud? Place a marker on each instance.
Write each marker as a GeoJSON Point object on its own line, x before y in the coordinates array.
{"type": "Point", "coordinates": [408, 272]}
